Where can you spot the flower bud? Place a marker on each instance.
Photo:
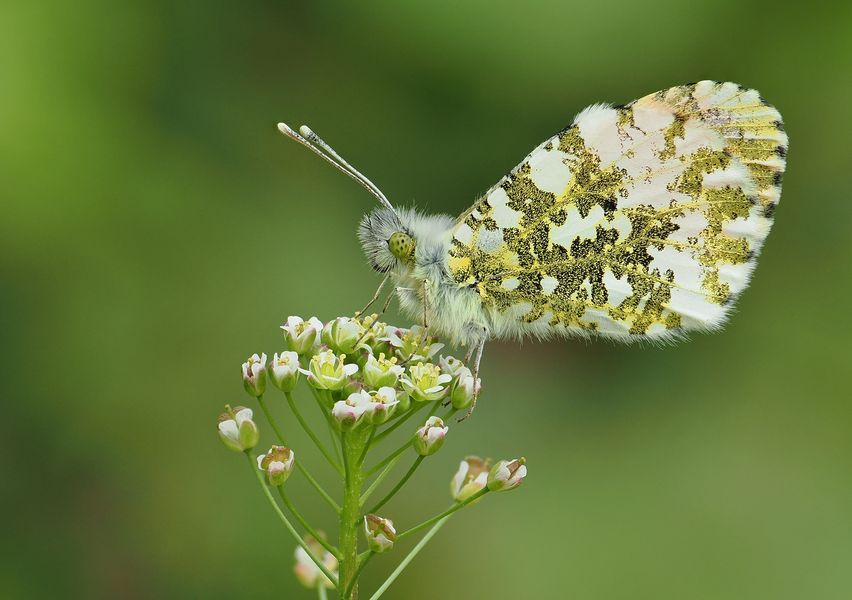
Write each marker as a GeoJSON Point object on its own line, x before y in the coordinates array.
{"type": "Point", "coordinates": [425, 382]}
{"type": "Point", "coordinates": [465, 388]}
{"type": "Point", "coordinates": [342, 335]}
{"type": "Point", "coordinates": [237, 430]}
{"type": "Point", "coordinates": [429, 438]}
{"type": "Point", "coordinates": [471, 477]}
{"type": "Point", "coordinates": [349, 412]}
{"type": "Point", "coordinates": [301, 336]}
{"type": "Point", "coordinates": [507, 475]}
{"type": "Point", "coordinates": [380, 533]}
{"type": "Point", "coordinates": [254, 375]}
{"type": "Point", "coordinates": [381, 372]}
{"type": "Point", "coordinates": [329, 372]}
{"type": "Point", "coordinates": [284, 370]}
{"type": "Point", "coordinates": [450, 365]}
{"type": "Point", "coordinates": [278, 463]}
{"type": "Point", "coordinates": [404, 400]}
{"type": "Point", "coordinates": [307, 572]}
{"type": "Point", "coordinates": [383, 402]}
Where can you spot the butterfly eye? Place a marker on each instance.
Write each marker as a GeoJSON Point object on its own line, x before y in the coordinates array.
{"type": "Point", "coordinates": [402, 246]}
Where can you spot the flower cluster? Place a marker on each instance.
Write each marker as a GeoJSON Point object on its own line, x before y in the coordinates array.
{"type": "Point", "coordinates": [368, 379]}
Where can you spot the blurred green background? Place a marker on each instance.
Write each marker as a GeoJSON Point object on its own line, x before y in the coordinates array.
{"type": "Point", "coordinates": [156, 229]}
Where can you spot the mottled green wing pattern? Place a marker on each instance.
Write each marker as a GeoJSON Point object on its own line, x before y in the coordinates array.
{"type": "Point", "coordinates": [636, 221]}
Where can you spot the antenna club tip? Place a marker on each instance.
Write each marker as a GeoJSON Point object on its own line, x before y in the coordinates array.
{"type": "Point", "coordinates": [284, 128]}
{"type": "Point", "coordinates": [306, 131]}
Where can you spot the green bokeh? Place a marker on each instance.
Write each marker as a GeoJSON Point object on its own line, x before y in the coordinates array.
{"type": "Point", "coordinates": [155, 229]}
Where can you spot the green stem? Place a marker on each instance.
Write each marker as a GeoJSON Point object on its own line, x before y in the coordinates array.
{"type": "Point", "coordinates": [329, 420]}
{"type": "Point", "coordinates": [362, 562]}
{"type": "Point", "coordinates": [402, 420]}
{"type": "Point", "coordinates": [352, 443]}
{"type": "Point", "coordinates": [286, 521]}
{"type": "Point", "coordinates": [389, 458]}
{"type": "Point", "coordinates": [269, 418]}
{"type": "Point", "coordinates": [321, 593]}
{"type": "Point", "coordinates": [367, 445]}
{"type": "Point", "coordinates": [378, 480]}
{"type": "Point", "coordinates": [446, 513]}
{"type": "Point", "coordinates": [449, 413]}
{"type": "Point", "coordinates": [292, 508]}
{"type": "Point", "coordinates": [325, 496]}
{"type": "Point", "coordinates": [312, 435]}
{"type": "Point", "coordinates": [409, 558]}
{"type": "Point", "coordinates": [399, 485]}
{"type": "Point", "coordinates": [329, 500]}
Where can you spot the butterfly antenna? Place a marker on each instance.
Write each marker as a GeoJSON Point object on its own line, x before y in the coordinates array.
{"type": "Point", "coordinates": [318, 146]}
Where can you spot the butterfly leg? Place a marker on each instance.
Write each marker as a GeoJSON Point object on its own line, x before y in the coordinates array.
{"type": "Point", "coordinates": [378, 316]}
{"type": "Point", "coordinates": [424, 338]}
{"type": "Point", "coordinates": [476, 350]}
{"type": "Point", "coordinates": [375, 297]}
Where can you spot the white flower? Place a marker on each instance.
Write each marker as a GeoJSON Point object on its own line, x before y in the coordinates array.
{"type": "Point", "coordinates": [307, 572]}
{"type": "Point", "coordinates": [284, 370]}
{"type": "Point", "coordinates": [380, 372]}
{"type": "Point", "coordinates": [382, 404]}
{"type": "Point", "coordinates": [429, 438]}
{"type": "Point", "coordinates": [329, 372]}
{"type": "Point", "coordinates": [450, 365]}
{"type": "Point", "coordinates": [471, 477]}
{"type": "Point", "coordinates": [277, 464]}
{"type": "Point", "coordinates": [237, 430]}
{"type": "Point", "coordinates": [302, 336]}
{"type": "Point", "coordinates": [507, 475]}
{"type": "Point", "coordinates": [380, 533]}
{"type": "Point", "coordinates": [349, 412]}
{"type": "Point", "coordinates": [254, 375]}
{"type": "Point", "coordinates": [411, 344]}
{"type": "Point", "coordinates": [425, 382]}
{"type": "Point", "coordinates": [465, 388]}
{"type": "Point", "coordinates": [392, 335]}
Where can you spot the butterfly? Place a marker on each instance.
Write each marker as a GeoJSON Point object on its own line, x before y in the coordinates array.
{"type": "Point", "coordinates": [635, 222]}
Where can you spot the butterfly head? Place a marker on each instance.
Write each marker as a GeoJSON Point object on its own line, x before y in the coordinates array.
{"type": "Point", "coordinates": [387, 242]}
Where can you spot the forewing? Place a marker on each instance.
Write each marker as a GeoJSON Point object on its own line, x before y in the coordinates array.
{"type": "Point", "coordinates": [640, 220]}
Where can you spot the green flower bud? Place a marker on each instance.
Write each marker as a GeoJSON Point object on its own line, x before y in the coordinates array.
{"type": "Point", "coordinates": [380, 533]}
{"type": "Point", "coordinates": [429, 438]}
{"type": "Point", "coordinates": [254, 375]}
{"type": "Point", "coordinates": [284, 370]}
{"type": "Point", "coordinates": [278, 463]}
{"type": "Point", "coordinates": [342, 335]}
{"type": "Point", "coordinates": [348, 413]}
{"type": "Point", "coordinates": [471, 477]}
{"type": "Point", "coordinates": [237, 430]}
{"type": "Point", "coordinates": [383, 403]}
{"type": "Point", "coordinates": [301, 336]}
{"type": "Point", "coordinates": [450, 365]}
{"type": "Point", "coordinates": [507, 475]}
{"type": "Point", "coordinates": [464, 389]}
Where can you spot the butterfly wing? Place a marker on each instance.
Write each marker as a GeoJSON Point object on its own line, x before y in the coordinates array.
{"type": "Point", "coordinates": [637, 221]}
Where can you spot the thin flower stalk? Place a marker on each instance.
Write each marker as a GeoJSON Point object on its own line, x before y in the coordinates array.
{"type": "Point", "coordinates": [311, 434]}
{"type": "Point", "coordinates": [289, 526]}
{"type": "Point", "coordinates": [399, 485]}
